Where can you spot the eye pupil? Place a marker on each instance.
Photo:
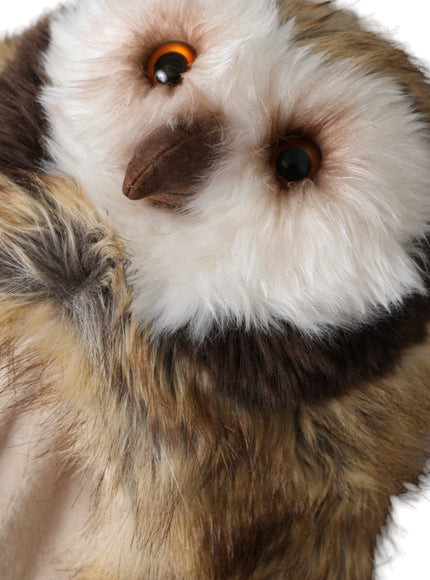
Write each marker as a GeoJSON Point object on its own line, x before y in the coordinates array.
{"type": "Point", "coordinates": [169, 68]}
{"type": "Point", "coordinates": [293, 164]}
{"type": "Point", "coordinates": [169, 62]}
{"type": "Point", "coordinates": [296, 159]}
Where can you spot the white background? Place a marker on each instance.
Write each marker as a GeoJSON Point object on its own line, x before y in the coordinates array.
{"type": "Point", "coordinates": [408, 22]}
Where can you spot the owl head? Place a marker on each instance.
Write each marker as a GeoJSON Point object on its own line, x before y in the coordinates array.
{"type": "Point", "coordinates": [262, 167]}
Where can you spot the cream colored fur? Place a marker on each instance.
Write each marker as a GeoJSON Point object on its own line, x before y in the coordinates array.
{"type": "Point", "coordinates": [41, 509]}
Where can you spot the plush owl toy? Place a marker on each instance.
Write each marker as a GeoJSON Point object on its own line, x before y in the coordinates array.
{"type": "Point", "coordinates": [213, 291]}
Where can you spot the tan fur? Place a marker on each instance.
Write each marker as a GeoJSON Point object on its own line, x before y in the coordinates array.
{"type": "Point", "coordinates": [186, 483]}
{"type": "Point", "coordinates": [340, 35]}
{"type": "Point", "coordinates": [7, 50]}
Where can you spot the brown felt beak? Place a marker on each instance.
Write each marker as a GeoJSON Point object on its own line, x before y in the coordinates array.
{"type": "Point", "coordinates": [168, 164]}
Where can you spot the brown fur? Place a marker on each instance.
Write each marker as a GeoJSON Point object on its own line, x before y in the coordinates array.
{"type": "Point", "coordinates": [22, 124]}
{"type": "Point", "coordinates": [190, 480]}
{"type": "Point", "coordinates": [191, 484]}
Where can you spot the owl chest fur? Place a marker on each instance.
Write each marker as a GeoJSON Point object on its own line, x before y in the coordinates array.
{"type": "Point", "coordinates": [237, 465]}
{"type": "Point", "coordinates": [276, 493]}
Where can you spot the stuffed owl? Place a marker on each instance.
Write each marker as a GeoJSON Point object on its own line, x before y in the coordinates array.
{"type": "Point", "coordinates": [215, 361]}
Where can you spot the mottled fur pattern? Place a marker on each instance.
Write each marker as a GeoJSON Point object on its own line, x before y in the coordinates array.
{"type": "Point", "coordinates": [189, 483]}
{"type": "Point", "coordinates": [254, 454]}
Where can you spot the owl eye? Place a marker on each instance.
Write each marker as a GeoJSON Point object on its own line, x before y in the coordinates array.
{"type": "Point", "coordinates": [169, 62]}
{"type": "Point", "coordinates": [296, 159]}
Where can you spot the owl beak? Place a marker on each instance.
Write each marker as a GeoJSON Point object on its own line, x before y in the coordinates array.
{"type": "Point", "coordinates": [169, 164]}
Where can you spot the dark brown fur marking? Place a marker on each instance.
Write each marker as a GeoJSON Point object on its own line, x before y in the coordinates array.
{"type": "Point", "coordinates": [283, 367]}
{"type": "Point", "coordinates": [22, 122]}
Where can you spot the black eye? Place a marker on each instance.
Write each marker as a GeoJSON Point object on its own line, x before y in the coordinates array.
{"type": "Point", "coordinates": [296, 159]}
{"type": "Point", "coordinates": [169, 62]}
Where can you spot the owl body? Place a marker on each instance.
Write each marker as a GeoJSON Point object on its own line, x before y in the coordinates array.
{"type": "Point", "coordinates": [220, 354]}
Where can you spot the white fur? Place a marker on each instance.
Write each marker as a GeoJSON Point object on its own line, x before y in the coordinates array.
{"type": "Point", "coordinates": [327, 253]}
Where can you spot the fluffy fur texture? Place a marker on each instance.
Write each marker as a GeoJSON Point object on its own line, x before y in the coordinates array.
{"type": "Point", "coordinates": [185, 482]}
{"type": "Point", "coordinates": [240, 386]}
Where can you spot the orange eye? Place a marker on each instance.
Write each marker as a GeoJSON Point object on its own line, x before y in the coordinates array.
{"type": "Point", "coordinates": [296, 159]}
{"type": "Point", "coordinates": [169, 62]}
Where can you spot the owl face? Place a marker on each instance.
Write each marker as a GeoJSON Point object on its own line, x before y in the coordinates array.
{"type": "Point", "coordinates": [266, 182]}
